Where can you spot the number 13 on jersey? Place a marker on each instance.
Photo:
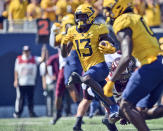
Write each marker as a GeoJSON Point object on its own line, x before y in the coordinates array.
{"type": "Point", "coordinates": [87, 50]}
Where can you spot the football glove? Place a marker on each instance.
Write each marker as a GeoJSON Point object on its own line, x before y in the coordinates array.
{"type": "Point", "coordinates": [108, 89]}
{"type": "Point", "coordinates": [58, 38]}
{"type": "Point", "coordinates": [67, 38]}
{"type": "Point", "coordinates": [106, 48]}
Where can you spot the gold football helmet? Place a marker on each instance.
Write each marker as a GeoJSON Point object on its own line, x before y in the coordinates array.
{"type": "Point", "coordinates": [117, 7]}
{"type": "Point", "coordinates": [84, 15]}
{"type": "Point", "coordinates": [67, 20]}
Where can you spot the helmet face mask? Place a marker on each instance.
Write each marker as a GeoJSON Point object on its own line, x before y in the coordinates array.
{"type": "Point", "coordinates": [81, 20]}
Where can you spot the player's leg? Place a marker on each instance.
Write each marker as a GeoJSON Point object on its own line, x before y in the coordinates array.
{"type": "Point", "coordinates": [82, 109]}
{"type": "Point", "coordinates": [30, 96]}
{"type": "Point", "coordinates": [73, 93]}
{"type": "Point", "coordinates": [95, 86]}
{"type": "Point", "coordinates": [112, 110]}
{"type": "Point", "coordinates": [60, 87]}
{"type": "Point", "coordinates": [73, 65]}
{"type": "Point", "coordinates": [152, 113]}
{"type": "Point", "coordinates": [90, 78]}
{"type": "Point", "coordinates": [146, 105]}
{"type": "Point", "coordinates": [142, 83]}
{"type": "Point", "coordinates": [19, 103]}
{"type": "Point", "coordinates": [133, 115]}
{"type": "Point", "coordinates": [72, 90]}
{"type": "Point", "coordinates": [162, 99]}
{"type": "Point", "coordinates": [93, 107]}
{"type": "Point", "coordinates": [49, 102]}
{"type": "Point", "coordinates": [110, 126]}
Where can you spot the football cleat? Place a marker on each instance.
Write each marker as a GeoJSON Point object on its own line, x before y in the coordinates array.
{"type": "Point", "coordinates": [32, 114]}
{"type": "Point", "coordinates": [77, 129]}
{"type": "Point", "coordinates": [56, 118]}
{"type": "Point", "coordinates": [15, 115]}
{"type": "Point", "coordinates": [114, 117]}
{"type": "Point", "coordinates": [111, 127]}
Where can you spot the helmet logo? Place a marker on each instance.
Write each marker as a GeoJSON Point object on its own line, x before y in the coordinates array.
{"type": "Point", "coordinates": [92, 11]}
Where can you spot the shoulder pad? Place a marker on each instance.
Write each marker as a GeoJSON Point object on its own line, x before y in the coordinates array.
{"type": "Point", "coordinates": [122, 22]}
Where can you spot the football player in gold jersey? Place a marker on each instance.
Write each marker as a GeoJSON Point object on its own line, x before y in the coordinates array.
{"type": "Point", "coordinates": [66, 66]}
{"type": "Point", "coordinates": [85, 37]}
{"type": "Point", "coordinates": [145, 85]}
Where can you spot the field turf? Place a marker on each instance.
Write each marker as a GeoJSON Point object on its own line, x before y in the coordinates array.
{"type": "Point", "coordinates": [66, 124]}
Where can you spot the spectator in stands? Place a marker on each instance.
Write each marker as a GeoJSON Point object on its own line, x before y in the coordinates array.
{"type": "Point", "coordinates": [34, 10]}
{"type": "Point", "coordinates": [17, 9]}
{"type": "Point", "coordinates": [62, 8]}
{"type": "Point", "coordinates": [49, 71]}
{"type": "Point", "coordinates": [152, 14]}
{"type": "Point", "coordinates": [161, 8]}
{"type": "Point", "coordinates": [98, 6]}
{"type": "Point", "coordinates": [24, 80]}
{"type": "Point", "coordinates": [73, 4]}
{"type": "Point", "coordinates": [16, 12]}
{"type": "Point", "coordinates": [3, 11]}
{"type": "Point", "coordinates": [2, 6]}
{"type": "Point", "coordinates": [6, 7]}
{"type": "Point", "coordinates": [49, 9]}
{"type": "Point", "coordinates": [139, 7]}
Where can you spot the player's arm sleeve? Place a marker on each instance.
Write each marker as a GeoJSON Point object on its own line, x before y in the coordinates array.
{"type": "Point", "coordinates": [50, 70]}
{"type": "Point", "coordinates": [42, 69]}
{"type": "Point", "coordinates": [52, 38]}
{"type": "Point", "coordinates": [16, 65]}
{"type": "Point", "coordinates": [38, 59]}
{"type": "Point", "coordinates": [122, 23]}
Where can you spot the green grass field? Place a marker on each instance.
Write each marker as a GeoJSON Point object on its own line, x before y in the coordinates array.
{"type": "Point", "coordinates": [66, 124]}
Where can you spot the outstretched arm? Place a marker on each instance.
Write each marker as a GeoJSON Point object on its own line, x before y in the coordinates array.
{"type": "Point", "coordinates": [125, 38]}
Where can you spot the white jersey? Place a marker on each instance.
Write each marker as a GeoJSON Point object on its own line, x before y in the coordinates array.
{"type": "Point", "coordinates": [46, 71]}
{"type": "Point", "coordinates": [27, 69]}
{"type": "Point", "coordinates": [109, 58]}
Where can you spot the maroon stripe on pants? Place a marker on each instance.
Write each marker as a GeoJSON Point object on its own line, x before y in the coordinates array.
{"type": "Point", "coordinates": [60, 87]}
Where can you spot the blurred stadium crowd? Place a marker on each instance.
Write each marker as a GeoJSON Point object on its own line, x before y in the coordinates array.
{"type": "Point", "coordinates": [19, 11]}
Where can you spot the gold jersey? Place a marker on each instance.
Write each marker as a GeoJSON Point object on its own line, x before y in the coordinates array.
{"type": "Point", "coordinates": [145, 45]}
{"type": "Point", "coordinates": [86, 45]}
{"type": "Point", "coordinates": [48, 4]}
{"type": "Point", "coordinates": [18, 9]}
